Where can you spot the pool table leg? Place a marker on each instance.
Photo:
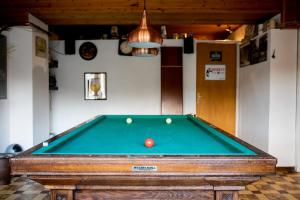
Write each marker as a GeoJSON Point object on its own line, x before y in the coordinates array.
{"type": "Point", "coordinates": [227, 195]}
{"type": "Point", "coordinates": [62, 194]}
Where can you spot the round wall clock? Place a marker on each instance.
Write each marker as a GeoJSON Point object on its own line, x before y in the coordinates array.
{"type": "Point", "coordinates": [124, 48]}
{"type": "Point", "coordinates": [87, 51]}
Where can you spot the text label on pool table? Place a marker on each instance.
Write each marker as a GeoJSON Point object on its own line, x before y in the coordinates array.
{"type": "Point", "coordinates": [144, 168]}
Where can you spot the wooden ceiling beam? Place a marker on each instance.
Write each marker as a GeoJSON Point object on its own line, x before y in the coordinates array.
{"type": "Point", "coordinates": [134, 18]}
{"type": "Point", "coordinates": [105, 12]}
{"type": "Point", "coordinates": [75, 11]}
{"type": "Point", "coordinates": [160, 5]}
{"type": "Point", "coordinates": [290, 14]}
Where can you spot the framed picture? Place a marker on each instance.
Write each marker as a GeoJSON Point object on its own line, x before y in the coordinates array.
{"type": "Point", "coordinates": [40, 47]}
{"type": "Point", "coordinates": [245, 55]}
{"type": "Point", "coordinates": [95, 86]}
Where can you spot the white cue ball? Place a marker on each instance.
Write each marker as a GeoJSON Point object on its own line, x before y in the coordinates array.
{"type": "Point", "coordinates": [128, 120]}
{"type": "Point", "coordinates": [45, 144]}
{"type": "Point", "coordinates": [168, 120]}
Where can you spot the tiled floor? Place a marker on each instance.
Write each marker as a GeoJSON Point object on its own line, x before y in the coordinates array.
{"type": "Point", "coordinates": [282, 186]}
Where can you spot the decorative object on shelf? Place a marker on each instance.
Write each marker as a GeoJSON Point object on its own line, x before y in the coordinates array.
{"type": "Point", "coordinates": [228, 29]}
{"type": "Point", "coordinates": [163, 32]}
{"type": "Point", "coordinates": [104, 36]}
{"type": "Point", "coordinates": [144, 52]}
{"type": "Point", "coordinates": [175, 36]}
{"type": "Point", "coordinates": [124, 48]}
{"type": "Point", "coordinates": [249, 33]}
{"type": "Point", "coordinates": [188, 44]}
{"type": "Point", "coordinates": [114, 32]}
{"type": "Point", "coordinates": [40, 47]}
{"type": "Point", "coordinates": [144, 36]}
{"type": "Point", "coordinates": [95, 86]}
{"type": "Point", "coordinates": [88, 51]}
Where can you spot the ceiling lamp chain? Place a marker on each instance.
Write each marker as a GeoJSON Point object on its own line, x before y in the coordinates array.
{"type": "Point", "coordinates": [144, 36]}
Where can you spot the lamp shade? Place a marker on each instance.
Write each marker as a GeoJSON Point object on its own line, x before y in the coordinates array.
{"type": "Point", "coordinates": [144, 52]}
{"type": "Point", "coordinates": [144, 36]}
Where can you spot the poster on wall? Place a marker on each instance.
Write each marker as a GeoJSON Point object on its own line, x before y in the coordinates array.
{"type": "Point", "coordinates": [95, 86]}
{"type": "Point", "coordinates": [215, 72]}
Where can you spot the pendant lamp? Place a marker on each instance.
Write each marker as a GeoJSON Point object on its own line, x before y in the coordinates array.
{"type": "Point", "coordinates": [144, 36]}
{"type": "Point", "coordinates": [144, 52]}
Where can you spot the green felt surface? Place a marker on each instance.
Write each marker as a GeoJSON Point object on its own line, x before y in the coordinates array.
{"type": "Point", "coordinates": [111, 135]}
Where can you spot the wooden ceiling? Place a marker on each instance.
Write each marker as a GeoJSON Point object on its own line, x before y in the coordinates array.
{"type": "Point", "coordinates": [125, 12]}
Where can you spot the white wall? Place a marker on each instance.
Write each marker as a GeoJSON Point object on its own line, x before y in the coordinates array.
{"type": "Point", "coordinates": [133, 84]}
{"type": "Point", "coordinates": [298, 109]}
{"type": "Point", "coordinates": [267, 99]}
{"type": "Point", "coordinates": [40, 93]}
{"type": "Point", "coordinates": [283, 71]}
{"type": "Point", "coordinates": [4, 124]}
{"type": "Point", "coordinates": [254, 104]}
{"type": "Point", "coordinates": [24, 113]}
{"type": "Point", "coordinates": [19, 77]}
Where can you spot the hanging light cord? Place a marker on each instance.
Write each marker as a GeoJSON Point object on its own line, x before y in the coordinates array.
{"type": "Point", "coordinates": [144, 4]}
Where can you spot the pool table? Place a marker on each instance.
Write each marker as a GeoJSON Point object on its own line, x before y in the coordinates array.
{"type": "Point", "coordinates": [105, 158]}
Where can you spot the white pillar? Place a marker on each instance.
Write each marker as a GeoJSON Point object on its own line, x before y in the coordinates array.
{"type": "Point", "coordinates": [298, 109]}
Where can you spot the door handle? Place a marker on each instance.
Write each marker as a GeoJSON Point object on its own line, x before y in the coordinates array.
{"type": "Point", "coordinates": [198, 97]}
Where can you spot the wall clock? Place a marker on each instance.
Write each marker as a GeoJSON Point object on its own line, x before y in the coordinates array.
{"type": "Point", "coordinates": [87, 51]}
{"type": "Point", "coordinates": [124, 48]}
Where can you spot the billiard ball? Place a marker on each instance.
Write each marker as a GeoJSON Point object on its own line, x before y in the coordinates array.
{"type": "Point", "coordinates": [129, 120]}
{"type": "Point", "coordinates": [168, 120]}
{"type": "Point", "coordinates": [149, 142]}
{"type": "Point", "coordinates": [45, 144]}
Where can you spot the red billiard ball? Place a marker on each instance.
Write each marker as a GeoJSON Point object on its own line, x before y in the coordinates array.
{"type": "Point", "coordinates": [149, 142]}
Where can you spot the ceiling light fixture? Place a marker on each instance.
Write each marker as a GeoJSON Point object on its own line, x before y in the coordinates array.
{"type": "Point", "coordinates": [144, 36]}
{"type": "Point", "coordinates": [144, 52]}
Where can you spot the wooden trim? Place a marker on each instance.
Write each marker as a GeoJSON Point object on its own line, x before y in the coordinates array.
{"type": "Point", "coordinates": [285, 169]}
{"type": "Point", "coordinates": [171, 80]}
{"type": "Point", "coordinates": [171, 56]}
{"type": "Point", "coordinates": [290, 17]}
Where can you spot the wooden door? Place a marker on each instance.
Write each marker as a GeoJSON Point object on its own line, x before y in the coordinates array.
{"type": "Point", "coordinates": [216, 84]}
{"type": "Point", "coordinates": [171, 81]}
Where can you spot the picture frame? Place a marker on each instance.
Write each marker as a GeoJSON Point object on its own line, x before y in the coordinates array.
{"type": "Point", "coordinates": [95, 86]}
{"type": "Point", "coordinates": [40, 47]}
{"type": "Point", "coordinates": [245, 55]}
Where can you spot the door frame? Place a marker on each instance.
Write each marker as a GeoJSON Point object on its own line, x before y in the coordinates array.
{"type": "Point", "coordinates": [297, 131]}
{"type": "Point", "coordinates": [237, 75]}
